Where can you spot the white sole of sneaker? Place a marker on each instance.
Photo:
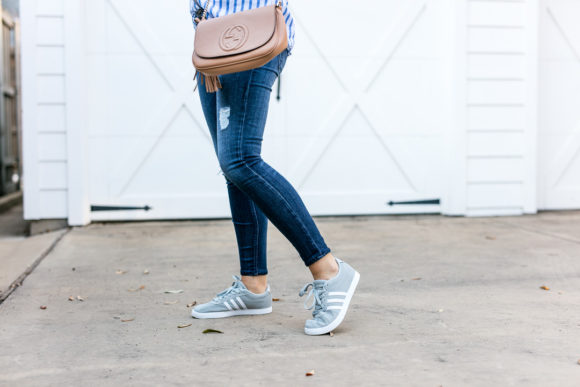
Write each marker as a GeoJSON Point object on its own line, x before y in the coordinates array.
{"type": "Point", "coordinates": [244, 312]}
{"type": "Point", "coordinates": [336, 322]}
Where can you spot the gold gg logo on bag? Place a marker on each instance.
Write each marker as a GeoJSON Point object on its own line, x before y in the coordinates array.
{"type": "Point", "coordinates": [234, 37]}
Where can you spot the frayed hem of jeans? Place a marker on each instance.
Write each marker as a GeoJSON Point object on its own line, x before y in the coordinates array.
{"type": "Point", "coordinates": [253, 274]}
{"type": "Point", "coordinates": [312, 261]}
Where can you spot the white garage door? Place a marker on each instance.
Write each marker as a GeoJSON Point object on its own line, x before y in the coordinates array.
{"type": "Point", "coordinates": [559, 105]}
{"type": "Point", "coordinates": [361, 120]}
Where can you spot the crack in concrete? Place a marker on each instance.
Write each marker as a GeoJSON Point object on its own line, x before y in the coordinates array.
{"type": "Point", "coordinates": [18, 281]}
{"type": "Point", "coordinates": [543, 233]}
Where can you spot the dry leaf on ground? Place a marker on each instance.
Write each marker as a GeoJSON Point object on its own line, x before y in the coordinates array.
{"type": "Point", "coordinates": [170, 302]}
{"type": "Point", "coordinates": [416, 278]}
{"type": "Point", "coordinates": [174, 291]}
{"type": "Point", "coordinates": [71, 298]}
{"type": "Point", "coordinates": [184, 325]}
{"type": "Point", "coordinates": [310, 373]}
{"type": "Point", "coordinates": [80, 298]}
{"type": "Point", "coordinates": [43, 307]}
{"type": "Point", "coordinates": [209, 330]}
{"type": "Point", "coordinates": [128, 319]}
{"type": "Point", "coordinates": [544, 287]}
{"type": "Point", "coordinates": [194, 303]}
{"type": "Point", "coordinates": [135, 290]}
{"type": "Point", "coordinates": [275, 299]}
{"type": "Point", "coordinates": [121, 271]}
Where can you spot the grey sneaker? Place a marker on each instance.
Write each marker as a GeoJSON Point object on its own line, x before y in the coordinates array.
{"type": "Point", "coordinates": [330, 299]}
{"type": "Point", "coordinates": [234, 301]}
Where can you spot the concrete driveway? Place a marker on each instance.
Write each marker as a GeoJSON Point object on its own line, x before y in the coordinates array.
{"type": "Point", "coordinates": [441, 302]}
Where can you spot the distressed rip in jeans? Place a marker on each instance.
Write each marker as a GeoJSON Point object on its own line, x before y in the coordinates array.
{"type": "Point", "coordinates": [236, 117]}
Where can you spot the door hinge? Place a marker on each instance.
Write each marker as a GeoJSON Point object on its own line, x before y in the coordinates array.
{"type": "Point", "coordinates": [416, 202]}
{"type": "Point", "coordinates": [119, 208]}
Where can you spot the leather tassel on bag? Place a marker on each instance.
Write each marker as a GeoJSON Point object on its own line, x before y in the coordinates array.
{"type": "Point", "coordinates": [212, 82]}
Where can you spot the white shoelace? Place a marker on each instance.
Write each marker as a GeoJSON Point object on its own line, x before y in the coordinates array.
{"type": "Point", "coordinates": [318, 295]}
{"type": "Point", "coordinates": [236, 288]}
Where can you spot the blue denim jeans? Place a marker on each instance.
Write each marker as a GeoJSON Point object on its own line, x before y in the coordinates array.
{"type": "Point", "coordinates": [236, 117]}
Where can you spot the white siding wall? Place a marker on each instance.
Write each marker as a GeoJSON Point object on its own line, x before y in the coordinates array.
{"type": "Point", "coordinates": [501, 79]}
{"type": "Point", "coordinates": [54, 138]}
{"type": "Point", "coordinates": [44, 109]}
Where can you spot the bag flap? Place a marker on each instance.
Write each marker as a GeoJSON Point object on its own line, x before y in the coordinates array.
{"type": "Point", "coordinates": [235, 33]}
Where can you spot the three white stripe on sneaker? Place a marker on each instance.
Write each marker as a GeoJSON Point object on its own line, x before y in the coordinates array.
{"type": "Point", "coordinates": [232, 305]}
{"type": "Point", "coordinates": [339, 301]}
{"type": "Point", "coordinates": [235, 306]}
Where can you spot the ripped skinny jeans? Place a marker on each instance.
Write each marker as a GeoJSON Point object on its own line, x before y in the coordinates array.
{"type": "Point", "coordinates": [236, 117]}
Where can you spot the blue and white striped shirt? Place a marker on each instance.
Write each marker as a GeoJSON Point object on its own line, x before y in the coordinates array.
{"type": "Point", "coordinates": [219, 8]}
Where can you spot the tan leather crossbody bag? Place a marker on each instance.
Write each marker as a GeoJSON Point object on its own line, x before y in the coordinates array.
{"type": "Point", "coordinates": [237, 42]}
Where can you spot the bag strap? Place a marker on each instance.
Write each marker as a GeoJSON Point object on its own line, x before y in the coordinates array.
{"type": "Point", "coordinates": [204, 14]}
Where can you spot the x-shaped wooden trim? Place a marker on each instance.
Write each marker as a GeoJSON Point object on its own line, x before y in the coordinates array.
{"type": "Point", "coordinates": [571, 149]}
{"type": "Point", "coordinates": [353, 98]}
{"type": "Point", "coordinates": [181, 96]}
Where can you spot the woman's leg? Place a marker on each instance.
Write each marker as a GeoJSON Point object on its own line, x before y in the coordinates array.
{"type": "Point", "coordinates": [242, 106]}
{"type": "Point", "coordinates": [250, 223]}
